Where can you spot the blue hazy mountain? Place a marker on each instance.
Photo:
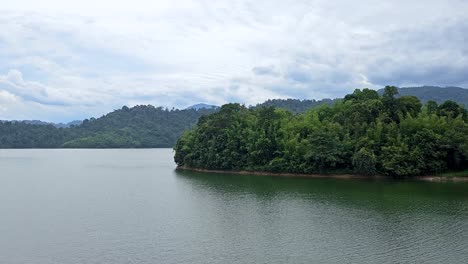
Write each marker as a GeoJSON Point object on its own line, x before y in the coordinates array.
{"type": "Point", "coordinates": [202, 106]}
{"type": "Point", "coordinates": [435, 93]}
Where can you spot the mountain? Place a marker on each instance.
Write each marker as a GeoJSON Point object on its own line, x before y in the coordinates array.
{"type": "Point", "coordinates": [202, 106]}
{"type": "Point", "coordinates": [142, 126]}
{"type": "Point", "coordinates": [435, 93]}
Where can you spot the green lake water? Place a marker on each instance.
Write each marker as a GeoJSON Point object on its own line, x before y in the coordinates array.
{"type": "Point", "coordinates": [131, 206]}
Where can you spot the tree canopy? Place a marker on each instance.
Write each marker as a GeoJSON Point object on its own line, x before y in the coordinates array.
{"type": "Point", "coordinates": [296, 105]}
{"type": "Point", "coordinates": [365, 133]}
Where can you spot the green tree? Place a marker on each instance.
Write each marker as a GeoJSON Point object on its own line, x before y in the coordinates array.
{"type": "Point", "coordinates": [364, 162]}
{"type": "Point", "coordinates": [432, 107]}
{"type": "Point", "coordinates": [398, 160]}
{"type": "Point", "coordinates": [390, 102]}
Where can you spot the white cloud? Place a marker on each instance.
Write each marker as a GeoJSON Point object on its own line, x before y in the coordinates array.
{"type": "Point", "coordinates": [99, 55]}
{"type": "Point", "coordinates": [6, 99]}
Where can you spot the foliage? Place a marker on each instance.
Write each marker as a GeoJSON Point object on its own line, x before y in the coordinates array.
{"type": "Point", "coordinates": [365, 132]}
{"type": "Point", "coordinates": [364, 162]}
{"type": "Point", "coordinates": [24, 135]}
{"type": "Point", "coordinates": [295, 105]}
{"type": "Point", "coordinates": [141, 126]}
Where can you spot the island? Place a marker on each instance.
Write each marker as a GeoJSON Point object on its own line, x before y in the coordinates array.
{"type": "Point", "coordinates": [364, 134]}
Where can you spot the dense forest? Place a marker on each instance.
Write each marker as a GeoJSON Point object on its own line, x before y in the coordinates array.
{"type": "Point", "coordinates": [295, 105]}
{"type": "Point", "coordinates": [364, 133]}
{"type": "Point", "coordinates": [143, 126]}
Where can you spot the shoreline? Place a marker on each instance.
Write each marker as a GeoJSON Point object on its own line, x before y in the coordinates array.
{"type": "Point", "coordinates": [428, 178]}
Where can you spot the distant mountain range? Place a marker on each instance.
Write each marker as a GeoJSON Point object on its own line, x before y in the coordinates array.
{"type": "Point", "coordinates": [39, 122]}
{"type": "Point", "coordinates": [424, 93]}
{"type": "Point", "coordinates": [438, 94]}
{"type": "Point", "coordinates": [148, 126]}
{"type": "Point", "coordinates": [202, 106]}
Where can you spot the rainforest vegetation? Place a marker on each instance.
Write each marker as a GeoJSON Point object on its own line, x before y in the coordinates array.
{"type": "Point", "coordinates": [295, 105]}
{"type": "Point", "coordinates": [142, 126]}
{"type": "Point", "coordinates": [365, 133]}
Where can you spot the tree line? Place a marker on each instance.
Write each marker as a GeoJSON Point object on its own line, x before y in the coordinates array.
{"type": "Point", "coordinates": [364, 133]}
{"type": "Point", "coordinates": [142, 126]}
{"type": "Point", "coordinates": [295, 105]}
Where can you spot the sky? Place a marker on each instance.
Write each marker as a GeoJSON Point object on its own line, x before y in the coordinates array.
{"type": "Point", "coordinates": [67, 60]}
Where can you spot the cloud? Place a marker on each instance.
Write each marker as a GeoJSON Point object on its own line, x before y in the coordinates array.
{"type": "Point", "coordinates": [13, 107]}
{"type": "Point", "coordinates": [97, 56]}
{"type": "Point", "coordinates": [265, 70]}
{"type": "Point", "coordinates": [300, 76]}
{"type": "Point", "coordinates": [6, 99]}
{"type": "Point", "coordinates": [14, 83]}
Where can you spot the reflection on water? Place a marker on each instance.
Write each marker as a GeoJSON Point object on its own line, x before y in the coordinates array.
{"type": "Point", "coordinates": [131, 206]}
{"type": "Point", "coordinates": [342, 220]}
{"type": "Point", "coordinates": [370, 194]}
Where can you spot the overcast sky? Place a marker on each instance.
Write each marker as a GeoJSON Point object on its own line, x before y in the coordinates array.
{"type": "Point", "coordinates": [61, 61]}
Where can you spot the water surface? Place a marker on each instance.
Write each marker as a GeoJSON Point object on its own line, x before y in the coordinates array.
{"type": "Point", "coordinates": [130, 206]}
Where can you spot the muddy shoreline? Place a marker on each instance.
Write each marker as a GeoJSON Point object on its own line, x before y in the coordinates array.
{"type": "Point", "coordinates": [430, 178]}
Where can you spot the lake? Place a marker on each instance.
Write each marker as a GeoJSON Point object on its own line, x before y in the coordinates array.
{"type": "Point", "coordinates": [131, 206]}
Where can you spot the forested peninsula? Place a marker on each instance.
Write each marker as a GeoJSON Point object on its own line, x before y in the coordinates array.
{"type": "Point", "coordinates": [366, 133]}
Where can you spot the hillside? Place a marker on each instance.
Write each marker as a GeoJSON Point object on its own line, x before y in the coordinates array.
{"type": "Point", "coordinates": [140, 126]}
{"type": "Point", "coordinates": [143, 126]}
